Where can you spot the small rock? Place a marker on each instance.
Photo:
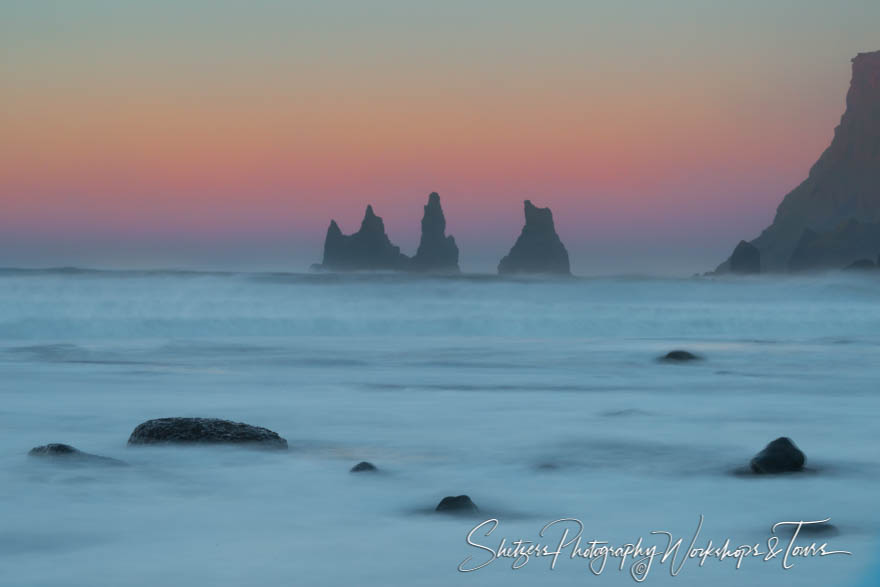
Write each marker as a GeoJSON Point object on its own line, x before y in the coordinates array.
{"type": "Point", "coordinates": [68, 454]}
{"type": "Point", "coordinates": [780, 456]}
{"type": "Point", "coordinates": [679, 356]}
{"type": "Point", "coordinates": [204, 431]}
{"type": "Point", "coordinates": [363, 467]}
{"type": "Point", "coordinates": [460, 504]}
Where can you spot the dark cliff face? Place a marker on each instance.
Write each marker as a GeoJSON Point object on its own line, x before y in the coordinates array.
{"type": "Point", "coordinates": [843, 184]}
{"type": "Point", "coordinates": [834, 249]}
{"type": "Point", "coordinates": [746, 259]}
{"type": "Point", "coordinates": [437, 252]}
{"type": "Point", "coordinates": [367, 249]}
{"type": "Point", "coordinates": [538, 248]}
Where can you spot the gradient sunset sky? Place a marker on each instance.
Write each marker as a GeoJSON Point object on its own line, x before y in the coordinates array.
{"type": "Point", "coordinates": [209, 134]}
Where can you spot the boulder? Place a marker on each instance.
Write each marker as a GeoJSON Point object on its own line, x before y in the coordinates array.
{"type": "Point", "coordinates": [460, 504]}
{"type": "Point", "coordinates": [437, 252]}
{"type": "Point", "coordinates": [679, 356]}
{"type": "Point", "coordinates": [204, 431]}
{"type": "Point", "coordinates": [364, 467]}
{"type": "Point", "coordinates": [68, 454]}
{"type": "Point", "coordinates": [746, 259]}
{"type": "Point", "coordinates": [780, 456]}
{"type": "Point", "coordinates": [538, 249]}
{"type": "Point", "coordinates": [367, 249]}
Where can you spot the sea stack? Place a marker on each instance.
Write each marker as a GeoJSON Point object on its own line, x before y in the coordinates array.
{"type": "Point", "coordinates": [538, 248]}
{"type": "Point", "coordinates": [833, 217]}
{"type": "Point", "coordinates": [367, 249]}
{"type": "Point", "coordinates": [437, 252]}
{"type": "Point", "coordinates": [746, 259]}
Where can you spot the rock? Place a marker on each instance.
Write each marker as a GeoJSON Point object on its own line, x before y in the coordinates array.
{"type": "Point", "coordinates": [538, 248]}
{"type": "Point", "coordinates": [842, 185]}
{"type": "Point", "coordinates": [746, 259]}
{"type": "Point", "coordinates": [68, 454]}
{"type": "Point", "coordinates": [437, 252]}
{"type": "Point", "coordinates": [861, 265]}
{"type": "Point", "coordinates": [835, 248]}
{"type": "Point", "coordinates": [460, 504]}
{"type": "Point", "coordinates": [367, 249]}
{"type": "Point", "coordinates": [364, 467]}
{"type": "Point", "coordinates": [780, 456]}
{"type": "Point", "coordinates": [204, 431]}
{"type": "Point", "coordinates": [679, 356]}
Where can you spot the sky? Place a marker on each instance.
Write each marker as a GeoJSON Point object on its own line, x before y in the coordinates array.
{"type": "Point", "coordinates": [226, 135]}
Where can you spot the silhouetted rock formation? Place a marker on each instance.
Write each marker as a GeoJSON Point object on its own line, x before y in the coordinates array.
{"type": "Point", "coordinates": [64, 453]}
{"type": "Point", "coordinates": [679, 357]}
{"type": "Point", "coordinates": [364, 467]}
{"type": "Point", "coordinates": [437, 252]}
{"type": "Point", "coordinates": [780, 456]}
{"type": "Point", "coordinates": [460, 504]}
{"type": "Point", "coordinates": [835, 248]}
{"type": "Point", "coordinates": [861, 265]}
{"type": "Point", "coordinates": [204, 431]}
{"type": "Point", "coordinates": [367, 249]}
{"type": "Point", "coordinates": [843, 184]}
{"type": "Point", "coordinates": [746, 259]}
{"type": "Point", "coordinates": [538, 248]}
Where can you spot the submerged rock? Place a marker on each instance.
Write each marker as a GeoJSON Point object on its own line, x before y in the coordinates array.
{"type": "Point", "coordinates": [780, 456]}
{"type": "Point", "coordinates": [460, 504]}
{"type": "Point", "coordinates": [367, 249]}
{"type": "Point", "coordinates": [437, 252]}
{"type": "Point", "coordinates": [68, 454]}
{"type": "Point", "coordinates": [746, 259]}
{"type": "Point", "coordinates": [364, 467]}
{"type": "Point", "coordinates": [538, 248]}
{"type": "Point", "coordinates": [204, 431]}
{"type": "Point", "coordinates": [679, 356]}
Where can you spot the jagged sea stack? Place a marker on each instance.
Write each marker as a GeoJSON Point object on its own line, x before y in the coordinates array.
{"type": "Point", "coordinates": [437, 252]}
{"type": "Point", "coordinates": [746, 259]}
{"type": "Point", "coordinates": [367, 249]}
{"type": "Point", "coordinates": [812, 228]}
{"type": "Point", "coordinates": [538, 248]}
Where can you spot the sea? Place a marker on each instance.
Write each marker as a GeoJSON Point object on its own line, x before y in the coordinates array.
{"type": "Point", "coordinates": [541, 399]}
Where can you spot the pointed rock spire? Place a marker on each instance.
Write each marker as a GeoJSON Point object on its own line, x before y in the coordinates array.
{"type": "Point", "coordinates": [368, 248]}
{"type": "Point", "coordinates": [437, 252]}
{"type": "Point", "coordinates": [538, 248]}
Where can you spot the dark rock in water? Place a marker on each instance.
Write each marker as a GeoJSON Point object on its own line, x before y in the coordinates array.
{"type": "Point", "coordinates": [843, 183]}
{"type": "Point", "coordinates": [68, 454]}
{"type": "Point", "coordinates": [538, 248]}
{"type": "Point", "coordinates": [437, 252]}
{"type": "Point", "coordinates": [364, 467]}
{"type": "Point", "coordinates": [367, 249]}
{"type": "Point", "coordinates": [204, 431]}
{"type": "Point", "coordinates": [861, 265]}
{"type": "Point", "coordinates": [679, 356]}
{"type": "Point", "coordinates": [746, 259]}
{"type": "Point", "coordinates": [460, 504]}
{"type": "Point", "coordinates": [780, 456]}
{"type": "Point", "coordinates": [835, 248]}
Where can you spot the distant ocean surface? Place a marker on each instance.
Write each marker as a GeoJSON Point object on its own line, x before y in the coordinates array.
{"type": "Point", "coordinates": [540, 399]}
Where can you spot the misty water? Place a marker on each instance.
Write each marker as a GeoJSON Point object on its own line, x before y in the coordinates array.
{"type": "Point", "coordinates": [539, 399]}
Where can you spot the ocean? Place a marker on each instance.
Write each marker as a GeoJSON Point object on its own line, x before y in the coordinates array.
{"type": "Point", "coordinates": [540, 399]}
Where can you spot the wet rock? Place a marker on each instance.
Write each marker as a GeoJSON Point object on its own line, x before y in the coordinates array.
{"type": "Point", "coordinates": [364, 467]}
{"type": "Point", "coordinates": [679, 356]}
{"type": "Point", "coordinates": [780, 456]}
{"type": "Point", "coordinates": [367, 249]}
{"type": "Point", "coordinates": [746, 259]}
{"type": "Point", "coordinates": [538, 248]}
{"type": "Point", "coordinates": [437, 252]}
{"type": "Point", "coordinates": [204, 431]}
{"type": "Point", "coordinates": [460, 504]}
{"type": "Point", "coordinates": [68, 454]}
{"type": "Point", "coordinates": [861, 265]}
